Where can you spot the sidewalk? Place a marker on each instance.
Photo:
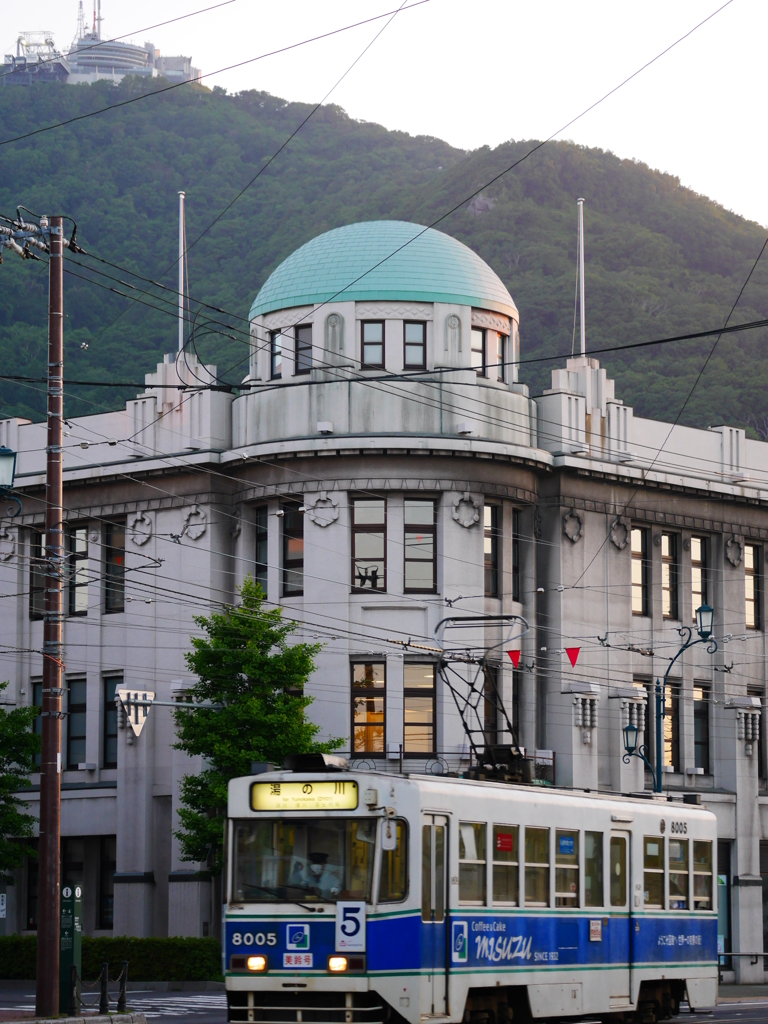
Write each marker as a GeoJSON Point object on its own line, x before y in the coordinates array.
{"type": "Point", "coordinates": [739, 993]}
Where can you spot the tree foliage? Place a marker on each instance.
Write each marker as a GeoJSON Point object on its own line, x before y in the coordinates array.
{"type": "Point", "coordinates": [245, 663]}
{"type": "Point", "coordinates": [661, 260]}
{"type": "Point", "coordinates": [18, 746]}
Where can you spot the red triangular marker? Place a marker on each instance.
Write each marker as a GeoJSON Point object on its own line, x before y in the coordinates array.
{"type": "Point", "coordinates": [515, 656]}
{"type": "Point", "coordinates": [573, 655]}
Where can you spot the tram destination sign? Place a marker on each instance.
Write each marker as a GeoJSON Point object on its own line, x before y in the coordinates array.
{"type": "Point", "coordinates": [304, 796]}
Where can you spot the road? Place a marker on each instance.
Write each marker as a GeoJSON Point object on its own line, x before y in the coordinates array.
{"type": "Point", "coordinates": [211, 1008]}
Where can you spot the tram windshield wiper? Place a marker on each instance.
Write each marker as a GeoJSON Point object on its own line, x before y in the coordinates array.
{"type": "Point", "coordinates": [279, 896]}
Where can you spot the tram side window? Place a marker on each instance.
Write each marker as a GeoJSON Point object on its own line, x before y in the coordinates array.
{"type": "Point", "coordinates": [393, 880]}
{"type": "Point", "coordinates": [566, 869]}
{"type": "Point", "coordinates": [678, 874]}
{"type": "Point", "coordinates": [472, 862]}
{"type": "Point", "coordinates": [618, 871]}
{"type": "Point", "coordinates": [593, 869]}
{"type": "Point", "coordinates": [702, 875]}
{"type": "Point", "coordinates": [506, 862]}
{"type": "Point", "coordinates": [653, 871]}
{"type": "Point", "coordinates": [536, 867]}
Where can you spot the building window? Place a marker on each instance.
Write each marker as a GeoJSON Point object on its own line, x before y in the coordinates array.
{"type": "Point", "coordinates": [275, 355]}
{"type": "Point", "coordinates": [477, 351]}
{"type": "Point", "coordinates": [107, 866]}
{"type": "Point", "coordinates": [77, 553]}
{"type": "Point", "coordinates": [261, 568]}
{"type": "Point", "coordinates": [506, 864]}
{"type": "Point", "coordinates": [418, 709]}
{"type": "Point", "coordinates": [109, 744]}
{"type": "Point", "coordinates": [653, 872]}
{"type": "Point", "coordinates": [491, 704]}
{"type": "Point", "coordinates": [368, 707]}
{"type": "Point", "coordinates": [640, 571]}
{"type": "Point", "coordinates": [517, 677]}
{"type": "Point", "coordinates": [672, 729]}
{"type": "Point", "coordinates": [303, 358]}
{"type": "Point", "coordinates": [114, 567]}
{"type": "Point", "coordinates": [752, 593]}
{"type": "Point", "coordinates": [369, 544]}
{"type": "Point", "coordinates": [37, 701]}
{"type": "Point", "coordinates": [566, 868]}
{"type": "Point", "coordinates": [37, 575]}
{"type": "Point", "coordinates": [293, 551]}
{"type": "Point", "coordinates": [415, 342]}
{"type": "Point", "coordinates": [498, 342]}
{"type": "Point", "coordinates": [76, 707]}
{"type": "Point", "coordinates": [516, 555]}
{"type": "Point", "coordinates": [372, 334]}
{"type": "Point", "coordinates": [536, 867]}
{"type": "Point", "coordinates": [420, 555]}
{"type": "Point", "coordinates": [72, 861]}
{"type": "Point", "coordinates": [701, 700]}
{"type": "Point", "coordinates": [678, 874]}
{"type": "Point", "coordinates": [593, 869]}
{"type": "Point", "coordinates": [491, 548]}
{"type": "Point", "coordinates": [669, 576]}
{"type": "Point", "coordinates": [698, 574]}
{"type": "Point", "coordinates": [472, 863]}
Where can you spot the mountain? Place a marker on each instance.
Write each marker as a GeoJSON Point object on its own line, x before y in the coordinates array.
{"type": "Point", "coordinates": [661, 260]}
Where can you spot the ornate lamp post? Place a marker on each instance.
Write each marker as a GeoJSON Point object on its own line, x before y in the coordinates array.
{"type": "Point", "coordinates": [704, 620]}
{"type": "Point", "coordinates": [632, 750]}
{"type": "Point", "coordinates": [7, 474]}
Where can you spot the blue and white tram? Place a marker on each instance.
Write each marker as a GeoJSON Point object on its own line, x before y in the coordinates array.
{"type": "Point", "coordinates": [364, 897]}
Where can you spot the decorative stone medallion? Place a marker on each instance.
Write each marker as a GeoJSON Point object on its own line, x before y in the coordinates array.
{"type": "Point", "coordinates": [323, 510]}
{"type": "Point", "coordinates": [573, 525]}
{"type": "Point", "coordinates": [140, 528]}
{"type": "Point", "coordinates": [7, 544]}
{"type": "Point", "coordinates": [619, 533]}
{"type": "Point", "coordinates": [195, 523]}
{"type": "Point", "coordinates": [734, 549]}
{"type": "Point", "coordinates": [466, 511]}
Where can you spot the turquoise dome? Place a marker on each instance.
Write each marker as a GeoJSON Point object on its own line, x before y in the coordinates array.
{"type": "Point", "coordinates": [350, 264]}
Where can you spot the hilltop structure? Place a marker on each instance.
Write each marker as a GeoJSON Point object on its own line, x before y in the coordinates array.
{"type": "Point", "coordinates": [90, 58]}
{"type": "Point", "coordinates": [383, 464]}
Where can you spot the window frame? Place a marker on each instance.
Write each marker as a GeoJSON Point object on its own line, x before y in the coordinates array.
{"type": "Point", "coordinates": [80, 708]}
{"type": "Point", "coordinates": [401, 830]}
{"type": "Point", "coordinates": [275, 355]}
{"type": "Point", "coordinates": [300, 348]}
{"type": "Point", "coordinates": [423, 528]}
{"type": "Point", "coordinates": [482, 370]}
{"type": "Point", "coordinates": [37, 573]}
{"type": "Point", "coordinates": [114, 593]}
{"type": "Point", "coordinates": [598, 838]}
{"type": "Point", "coordinates": [699, 565]}
{"type": "Point", "coordinates": [480, 863]}
{"type": "Point", "coordinates": [110, 717]}
{"type": "Point", "coordinates": [678, 898]}
{"type": "Point", "coordinates": [261, 536]}
{"type": "Point", "coordinates": [753, 572]}
{"type": "Point", "coordinates": [364, 365]}
{"type": "Point", "coordinates": [420, 693]}
{"type": "Point", "coordinates": [574, 894]}
{"type": "Point", "coordinates": [516, 554]}
{"type": "Point", "coordinates": [492, 532]}
{"type": "Point", "coordinates": [643, 558]}
{"type": "Point", "coordinates": [360, 528]}
{"type": "Point", "coordinates": [538, 866]}
{"type": "Point", "coordinates": [73, 558]}
{"type": "Point", "coordinates": [705, 874]}
{"type": "Point", "coordinates": [701, 714]}
{"type": "Point", "coordinates": [516, 863]}
{"type": "Point", "coordinates": [670, 585]}
{"type": "Point", "coordinates": [655, 871]}
{"type": "Point", "coordinates": [288, 565]}
{"type": "Point", "coordinates": [411, 344]}
{"type": "Point", "coordinates": [358, 692]}
{"type": "Point", "coordinates": [500, 366]}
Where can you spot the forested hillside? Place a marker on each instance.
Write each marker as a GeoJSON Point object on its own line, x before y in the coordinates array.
{"type": "Point", "coordinates": [661, 260]}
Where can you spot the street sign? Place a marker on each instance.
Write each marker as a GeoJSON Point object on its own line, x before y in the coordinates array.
{"type": "Point", "coordinates": [136, 704]}
{"type": "Point", "coordinates": [71, 942]}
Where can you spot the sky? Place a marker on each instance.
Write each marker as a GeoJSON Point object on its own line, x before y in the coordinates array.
{"type": "Point", "coordinates": [480, 73]}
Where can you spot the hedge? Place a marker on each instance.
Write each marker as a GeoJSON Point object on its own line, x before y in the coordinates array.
{"type": "Point", "coordinates": [173, 959]}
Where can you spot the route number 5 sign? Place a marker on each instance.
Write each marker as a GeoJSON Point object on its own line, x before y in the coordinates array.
{"type": "Point", "coordinates": [350, 926]}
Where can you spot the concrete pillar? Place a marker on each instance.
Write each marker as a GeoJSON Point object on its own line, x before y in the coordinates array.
{"type": "Point", "coordinates": [134, 878]}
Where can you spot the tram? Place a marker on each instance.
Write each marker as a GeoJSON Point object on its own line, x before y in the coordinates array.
{"type": "Point", "coordinates": [363, 897]}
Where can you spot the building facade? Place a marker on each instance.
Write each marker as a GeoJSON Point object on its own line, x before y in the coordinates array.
{"type": "Point", "coordinates": [382, 468]}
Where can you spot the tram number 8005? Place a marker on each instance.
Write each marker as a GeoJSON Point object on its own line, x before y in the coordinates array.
{"type": "Point", "coordinates": [679, 828]}
{"type": "Point", "coordinates": [259, 939]}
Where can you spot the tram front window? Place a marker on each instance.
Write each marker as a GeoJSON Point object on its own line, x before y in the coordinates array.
{"type": "Point", "coordinates": [305, 860]}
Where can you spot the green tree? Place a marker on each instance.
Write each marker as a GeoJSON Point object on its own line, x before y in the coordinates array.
{"type": "Point", "coordinates": [18, 746]}
{"type": "Point", "coordinates": [245, 663]}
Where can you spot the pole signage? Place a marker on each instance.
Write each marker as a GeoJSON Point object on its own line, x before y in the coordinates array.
{"type": "Point", "coordinates": [70, 943]}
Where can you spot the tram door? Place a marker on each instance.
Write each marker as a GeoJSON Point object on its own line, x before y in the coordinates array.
{"type": "Point", "coordinates": [434, 879]}
{"type": "Point", "coordinates": [621, 918]}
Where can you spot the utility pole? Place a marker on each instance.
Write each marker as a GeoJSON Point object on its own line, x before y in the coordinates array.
{"type": "Point", "coordinates": [583, 322]}
{"type": "Point", "coordinates": [47, 991]}
{"type": "Point", "coordinates": [182, 258]}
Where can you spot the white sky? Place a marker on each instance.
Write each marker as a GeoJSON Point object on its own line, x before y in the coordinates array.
{"type": "Point", "coordinates": [481, 72]}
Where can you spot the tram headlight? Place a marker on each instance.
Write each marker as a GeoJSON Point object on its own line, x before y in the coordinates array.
{"type": "Point", "coordinates": [337, 963]}
{"type": "Point", "coordinates": [256, 963]}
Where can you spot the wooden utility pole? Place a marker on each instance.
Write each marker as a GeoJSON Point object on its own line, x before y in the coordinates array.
{"type": "Point", "coordinates": [47, 991]}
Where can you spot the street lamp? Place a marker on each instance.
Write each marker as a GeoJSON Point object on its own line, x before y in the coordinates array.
{"type": "Point", "coordinates": [704, 621]}
{"type": "Point", "coordinates": [7, 474]}
{"type": "Point", "coordinates": [632, 750]}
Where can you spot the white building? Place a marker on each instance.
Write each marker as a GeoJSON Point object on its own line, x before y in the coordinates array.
{"type": "Point", "coordinates": [382, 468]}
